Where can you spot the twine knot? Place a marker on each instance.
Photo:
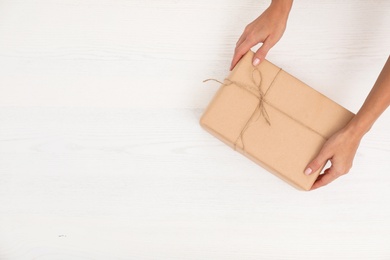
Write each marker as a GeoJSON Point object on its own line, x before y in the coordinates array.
{"type": "Point", "coordinates": [257, 87]}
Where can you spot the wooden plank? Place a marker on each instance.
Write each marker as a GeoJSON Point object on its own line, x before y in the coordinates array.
{"type": "Point", "coordinates": [100, 183]}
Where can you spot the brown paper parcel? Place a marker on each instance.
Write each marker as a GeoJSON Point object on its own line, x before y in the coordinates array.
{"type": "Point", "coordinates": [274, 119]}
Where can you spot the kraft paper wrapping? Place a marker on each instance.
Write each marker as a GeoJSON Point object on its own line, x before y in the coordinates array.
{"type": "Point", "coordinates": [273, 119]}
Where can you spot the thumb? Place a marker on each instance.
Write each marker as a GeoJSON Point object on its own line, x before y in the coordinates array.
{"type": "Point", "coordinates": [261, 53]}
{"type": "Point", "coordinates": [320, 160]}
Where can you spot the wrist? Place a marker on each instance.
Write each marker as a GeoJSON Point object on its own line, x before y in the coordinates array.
{"type": "Point", "coordinates": [283, 6]}
{"type": "Point", "coordinates": [357, 127]}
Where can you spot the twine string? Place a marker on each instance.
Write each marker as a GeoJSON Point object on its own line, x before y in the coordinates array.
{"type": "Point", "coordinates": [257, 87]}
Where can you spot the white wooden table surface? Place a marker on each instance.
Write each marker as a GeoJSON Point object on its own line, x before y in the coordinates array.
{"type": "Point", "coordinates": [102, 157]}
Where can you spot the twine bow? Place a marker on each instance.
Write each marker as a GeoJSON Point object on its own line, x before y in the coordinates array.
{"type": "Point", "coordinates": [257, 87]}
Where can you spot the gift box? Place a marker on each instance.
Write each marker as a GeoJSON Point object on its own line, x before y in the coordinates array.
{"type": "Point", "coordinates": [274, 119]}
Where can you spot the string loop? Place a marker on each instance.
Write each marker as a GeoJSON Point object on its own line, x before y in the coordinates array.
{"type": "Point", "coordinates": [257, 87]}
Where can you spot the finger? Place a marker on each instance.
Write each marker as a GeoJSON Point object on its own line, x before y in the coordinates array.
{"type": "Point", "coordinates": [320, 160]}
{"type": "Point", "coordinates": [317, 182]}
{"type": "Point", "coordinates": [240, 50]}
{"type": "Point", "coordinates": [326, 178]}
{"type": "Point", "coordinates": [262, 52]}
{"type": "Point", "coordinates": [241, 39]}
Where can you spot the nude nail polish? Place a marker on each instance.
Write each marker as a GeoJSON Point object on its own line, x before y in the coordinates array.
{"type": "Point", "coordinates": [256, 62]}
{"type": "Point", "coordinates": [308, 171]}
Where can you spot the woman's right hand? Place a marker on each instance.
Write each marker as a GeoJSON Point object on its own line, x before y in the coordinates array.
{"type": "Point", "coordinates": [268, 28]}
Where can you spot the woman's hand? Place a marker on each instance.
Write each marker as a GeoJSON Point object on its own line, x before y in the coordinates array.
{"type": "Point", "coordinates": [268, 28]}
{"type": "Point", "coordinates": [340, 150]}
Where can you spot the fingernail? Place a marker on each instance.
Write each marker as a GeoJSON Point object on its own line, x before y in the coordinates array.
{"type": "Point", "coordinates": [308, 171]}
{"type": "Point", "coordinates": [256, 62]}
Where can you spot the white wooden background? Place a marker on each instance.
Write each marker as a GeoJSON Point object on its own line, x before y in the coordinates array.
{"type": "Point", "coordinates": [102, 157]}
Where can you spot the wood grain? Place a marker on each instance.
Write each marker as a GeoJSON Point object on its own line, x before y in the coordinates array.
{"type": "Point", "coordinates": [102, 156]}
{"type": "Point", "coordinates": [81, 183]}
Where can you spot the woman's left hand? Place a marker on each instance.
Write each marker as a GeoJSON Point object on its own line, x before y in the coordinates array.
{"type": "Point", "coordinates": [340, 150]}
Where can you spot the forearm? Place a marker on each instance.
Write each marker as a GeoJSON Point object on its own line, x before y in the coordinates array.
{"type": "Point", "coordinates": [341, 148]}
{"type": "Point", "coordinates": [375, 104]}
